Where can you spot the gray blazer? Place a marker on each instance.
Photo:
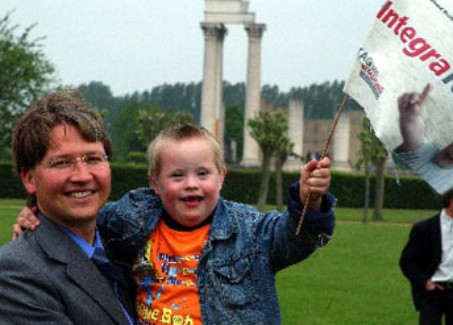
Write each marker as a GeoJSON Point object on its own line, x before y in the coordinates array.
{"type": "Point", "coordinates": [45, 278]}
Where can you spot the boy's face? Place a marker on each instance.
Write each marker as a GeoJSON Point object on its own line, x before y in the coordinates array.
{"type": "Point", "coordinates": [189, 182]}
{"type": "Point", "coordinates": [444, 158]}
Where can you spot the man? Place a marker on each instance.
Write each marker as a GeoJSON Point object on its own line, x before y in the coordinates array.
{"type": "Point", "coordinates": [61, 152]}
{"type": "Point", "coordinates": [427, 261]}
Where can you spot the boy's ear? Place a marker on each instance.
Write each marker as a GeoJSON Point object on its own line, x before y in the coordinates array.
{"type": "Point", "coordinates": [153, 184]}
{"type": "Point", "coordinates": [222, 177]}
{"type": "Point", "coordinates": [28, 179]}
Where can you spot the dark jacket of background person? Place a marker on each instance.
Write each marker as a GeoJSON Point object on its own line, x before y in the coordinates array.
{"type": "Point", "coordinates": [422, 255]}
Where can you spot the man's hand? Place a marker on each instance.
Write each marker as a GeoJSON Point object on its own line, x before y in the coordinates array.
{"type": "Point", "coordinates": [430, 286]}
{"type": "Point", "coordinates": [25, 220]}
{"type": "Point", "coordinates": [314, 178]}
{"type": "Point", "coordinates": [412, 125]}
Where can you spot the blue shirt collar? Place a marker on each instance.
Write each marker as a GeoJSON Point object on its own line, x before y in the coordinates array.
{"type": "Point", "coordinates": [83, 244]}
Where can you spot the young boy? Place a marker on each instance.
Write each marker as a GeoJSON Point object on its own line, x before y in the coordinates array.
{"type": "Point", "coordinates": [201, 258]}
{"type": "Point", "coordinates": [198, 258]}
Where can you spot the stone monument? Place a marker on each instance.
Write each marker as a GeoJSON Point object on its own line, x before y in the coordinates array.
{"type": "Point", "coordinates": [217, 14]}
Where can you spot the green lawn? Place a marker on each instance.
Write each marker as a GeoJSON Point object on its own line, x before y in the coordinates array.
{"type": "Point", "coordinates": [354, 280]}
{"type": "Point", "coordinates": [9, 209]}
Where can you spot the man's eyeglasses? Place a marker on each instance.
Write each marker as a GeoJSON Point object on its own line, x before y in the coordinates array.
{"type": "Point", "coordinates": [91, 160]}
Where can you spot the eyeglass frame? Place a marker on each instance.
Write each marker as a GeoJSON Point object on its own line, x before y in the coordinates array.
{"type": "Point", "coordinates": [68, 162]}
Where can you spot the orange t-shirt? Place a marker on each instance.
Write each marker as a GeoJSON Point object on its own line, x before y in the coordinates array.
{"type": "Point", "coordinates": [167, 290]}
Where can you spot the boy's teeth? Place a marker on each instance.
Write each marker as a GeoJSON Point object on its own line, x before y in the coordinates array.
{"type": "Point", "coordinates": [80, 194]}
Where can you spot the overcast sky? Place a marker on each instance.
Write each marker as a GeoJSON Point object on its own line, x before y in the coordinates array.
{"type": "Point", "coordinates": [138, 44]}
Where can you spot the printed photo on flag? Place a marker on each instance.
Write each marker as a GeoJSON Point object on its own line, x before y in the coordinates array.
{"type": "Point", "coordinates": [403, 78]}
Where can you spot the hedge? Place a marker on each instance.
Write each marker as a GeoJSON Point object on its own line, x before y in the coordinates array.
{"type": "Point", "coordinates": [242, 185]}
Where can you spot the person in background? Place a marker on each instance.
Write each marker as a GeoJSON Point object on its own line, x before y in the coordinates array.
{"type": "Point", "coordinates": [61, 152]}
{"type": "Point", "coordinates": [427, 262]}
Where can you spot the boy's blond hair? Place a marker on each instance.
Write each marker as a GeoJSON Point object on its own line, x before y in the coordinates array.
{"type": "Point", "coordinates": [177, 133]}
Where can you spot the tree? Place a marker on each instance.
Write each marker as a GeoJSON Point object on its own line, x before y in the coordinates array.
{"type": "Point", "coordinates": [24, 75]}
{"type": "Point", "coordinates": [379, 159]}
{"type": "Point", "coordinates": [372, 152]}
{"type": "Point", "coordinates": [138, 124]}
{"type": "Point", "coordinates": [364, 154]}
{"type": "Point", "coordinates": [269, 129]}
{"type": "Point", "coordinates": [281, 155]}
{"type": "Point", "coordinates": [124, 135]}
{"type": "Point", "coordinates": [234, 128]}
{"type": "Point", "coordinates": [150, 123]}
{"type": "Point", "coordinates": [100, 96]}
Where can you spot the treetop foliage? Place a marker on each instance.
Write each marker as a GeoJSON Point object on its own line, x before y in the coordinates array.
{"type": "Point", "coordinates": [270, 131]}
{"type": "Point", "coordinates": [321, 101]}
{"type": "Point", "coordinates": [24, 75]}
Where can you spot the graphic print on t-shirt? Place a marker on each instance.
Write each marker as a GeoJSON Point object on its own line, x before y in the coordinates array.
{"type": "Point", "coordinates": [166, 277]}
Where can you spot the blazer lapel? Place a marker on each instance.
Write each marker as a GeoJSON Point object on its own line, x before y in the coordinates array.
{"type": "Point", "coordinates": [89, 278]}
{"type": "Point", "coordinates": [59, 246]}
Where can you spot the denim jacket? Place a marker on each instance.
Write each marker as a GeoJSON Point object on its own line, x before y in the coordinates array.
{"type": "Point", "coordinates": [244, 250]}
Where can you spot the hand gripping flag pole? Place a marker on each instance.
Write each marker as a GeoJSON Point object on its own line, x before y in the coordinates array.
{"type": "Point", "coordinates": [323, 153]}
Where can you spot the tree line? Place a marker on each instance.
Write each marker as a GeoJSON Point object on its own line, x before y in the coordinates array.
{"type": "Point", "coordinates": [121, 112]}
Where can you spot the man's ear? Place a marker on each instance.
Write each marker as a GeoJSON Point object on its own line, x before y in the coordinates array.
{"type": "Point", "coordinates": [28, 179]}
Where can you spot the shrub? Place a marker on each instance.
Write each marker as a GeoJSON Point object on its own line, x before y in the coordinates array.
{"type": "Point", "coordinates": [242, 185]}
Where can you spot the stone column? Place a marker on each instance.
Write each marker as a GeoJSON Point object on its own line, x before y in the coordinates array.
{"type": "Point", "coordinates": [251, 150]}
{"type": "Point", "coordinates": [295, 132]}
{"type": "Point", "coordinates": [212, 107]}
{"type": "Point", "coordinates": [341, 141]}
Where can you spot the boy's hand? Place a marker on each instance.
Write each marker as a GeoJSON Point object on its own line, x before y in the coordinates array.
{"type": "Point", "coordinates": [314, 178]}
{"type": "Point", "coordinates": [25, 220]}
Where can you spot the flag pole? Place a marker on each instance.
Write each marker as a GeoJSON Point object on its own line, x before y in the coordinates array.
{"type": "Point", "coordinates": [323, 153]}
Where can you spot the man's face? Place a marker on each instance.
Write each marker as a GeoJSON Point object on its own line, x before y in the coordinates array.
{"type": "Point", "coordinates": [71, 195]}
{"type": "Point", "coordinates": [444, 158]}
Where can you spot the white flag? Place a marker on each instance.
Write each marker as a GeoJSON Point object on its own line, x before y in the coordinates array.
{"type": "Point", "coordinates": [410, 50]}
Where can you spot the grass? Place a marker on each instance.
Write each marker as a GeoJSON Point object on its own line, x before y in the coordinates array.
{"type": "Point", "coordinates": [9, 209]}
{"type": "Point", "coordinates": [354, 280]}
{"type": "Point", "coordinates": [390, 216]}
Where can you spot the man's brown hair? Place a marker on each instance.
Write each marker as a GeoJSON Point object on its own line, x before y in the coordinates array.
{"type": "Point", "coordinates": [32, 133]}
